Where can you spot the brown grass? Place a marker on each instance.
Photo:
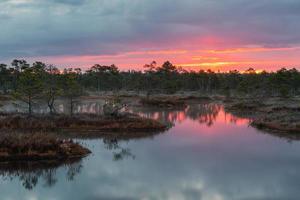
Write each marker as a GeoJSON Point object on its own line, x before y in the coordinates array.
{"type": "Point", "coordinates": [196, 98]}
{"type": "Point", "coordinates": [82, 122]}
{"type": "Point", "coordinates": [272, 115]}
{"type": "Point", "coordinates": [163, 102]}
{"type": "Point", "coordinates": [279, 120]}
{"type": "Point", "coordinates": [5, 98]}
{"type": "Point", "coordinates": [252, 105]}
{"type": "Point", "coordinates": [18, 147]}
{"type": "Point", "coordinates": [261, 124]}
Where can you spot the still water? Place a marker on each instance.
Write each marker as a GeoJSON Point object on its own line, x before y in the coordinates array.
{"type": "Point", "coordinates": [208, 154]}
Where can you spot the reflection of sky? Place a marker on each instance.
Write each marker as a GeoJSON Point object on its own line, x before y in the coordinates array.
{"type": "Point", "coordinates": [225, 161]}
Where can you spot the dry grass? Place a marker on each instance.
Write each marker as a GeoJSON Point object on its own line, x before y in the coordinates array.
{"type": "Point", "coordinates": [163, 102]}
{"type": "Point", "coordinates": [5, 98]}
{"type": "Point", "coordinates": [251, 105]}
{"type": "Point", "coordinates": [78, 122]}
{"type": "Point", "coordinates": [196, 98]}
{"type": "Point", "coordinates": [279, 120]}
{"type": "Point", "coordinates": [17, 147]}
{"type": "Point", "coordinates": [272, 115]}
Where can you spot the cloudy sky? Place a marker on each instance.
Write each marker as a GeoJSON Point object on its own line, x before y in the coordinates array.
{"type": "Point", "coordinates": [215, 34]}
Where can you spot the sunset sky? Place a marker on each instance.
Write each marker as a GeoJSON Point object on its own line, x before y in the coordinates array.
{"type": "Point", "coordinates": [196, 34]}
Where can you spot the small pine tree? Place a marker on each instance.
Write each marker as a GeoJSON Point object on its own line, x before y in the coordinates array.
{"type": "Point", "coordinates": [29, 88]}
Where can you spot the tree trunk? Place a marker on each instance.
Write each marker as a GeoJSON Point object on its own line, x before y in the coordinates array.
{"type": "Point", "coordinates": [71, 106]}
{"type": "Point", "coordinates": [29, 106]}
{"type": "Point", "coordinates": [51, 105]}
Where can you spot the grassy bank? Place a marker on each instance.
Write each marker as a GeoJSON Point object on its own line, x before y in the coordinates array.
{"type": "Point", "coordinates": [80, 122]}
{"type": "Point", "coordinates": [34, 147]}
{"type": "Point", "coordinates": [271, 114]}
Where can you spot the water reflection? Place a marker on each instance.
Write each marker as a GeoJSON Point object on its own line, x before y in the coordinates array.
{"type": "Point", "coordinates": [202, 113]}
{"type": "Point", "coordinates": [208, 154]}
{"type": "Point", "coordinates": [119, 152]}
{"type": "Point", "coordinates": [30, 174]}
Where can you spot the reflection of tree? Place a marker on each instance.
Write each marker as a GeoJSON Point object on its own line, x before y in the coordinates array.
{"type": "Point", "coordinates": [166, 116]}
{"type": "Point", "coordinates": [30, 173]}
{"type": "Point", "coordinates": [203, 113]}
{"type": "Point", "coordinates": [49, 178]}
{"type": "Point", "coordinates": [119, 153]}
{"type": "Point", "coordinates": [95, 107]}
{"type": "Point", "coordinates": [234, 119]}
{"type": "Point", "coordinates": [73, 170]}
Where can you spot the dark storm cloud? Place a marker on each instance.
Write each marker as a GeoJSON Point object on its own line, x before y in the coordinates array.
{"type": "Point", "coordinates": [76, 27]}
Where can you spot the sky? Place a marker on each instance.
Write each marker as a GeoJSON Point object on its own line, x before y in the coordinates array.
{"type": "Point", "coordinates": [196, 34]}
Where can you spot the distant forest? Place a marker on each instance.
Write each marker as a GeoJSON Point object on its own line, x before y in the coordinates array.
{"type": "Point", "coordinates": [24, 80]}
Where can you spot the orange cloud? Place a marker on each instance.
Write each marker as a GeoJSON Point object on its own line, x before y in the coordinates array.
{"type": "Point", "coordinates": [204, 58]}
{"type": "Point", "coordinates": [213, 64]}
{"type": "Point", "coordinates": [242, 50]}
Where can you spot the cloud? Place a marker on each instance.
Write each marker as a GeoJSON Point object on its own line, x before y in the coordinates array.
{"type": "Point", "coordinates": [71, 2]}
{"type": "Point", "coordinates": [94, 27]}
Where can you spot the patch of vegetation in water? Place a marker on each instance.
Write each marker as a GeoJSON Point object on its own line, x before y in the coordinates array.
{"type": "Point", "coordinates": [280, 120]}
{"type": "Point", "coordinates": [83, 122]}
{"type": "Point", "coordinates": [35, 147]}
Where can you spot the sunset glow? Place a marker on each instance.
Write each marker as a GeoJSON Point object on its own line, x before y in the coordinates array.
{"type": "Point", "coordinates": [241, 59]}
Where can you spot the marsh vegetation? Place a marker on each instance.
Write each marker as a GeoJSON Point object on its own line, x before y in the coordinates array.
{"type": "Point", "coordinates": [157, 87]}
{"type": "Point", "coordinates": [35, 147]}
{"type": "Point", "coordinates": [279, 115]}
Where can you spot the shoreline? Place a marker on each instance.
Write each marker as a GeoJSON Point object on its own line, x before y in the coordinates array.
{"type": "Point", "coordinates": [78, 122]}
{"type": "Point", "coordinates": [271, 114]}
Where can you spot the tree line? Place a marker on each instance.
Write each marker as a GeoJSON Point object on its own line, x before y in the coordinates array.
{"type": "Point", "coordinates": [28, 82]}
